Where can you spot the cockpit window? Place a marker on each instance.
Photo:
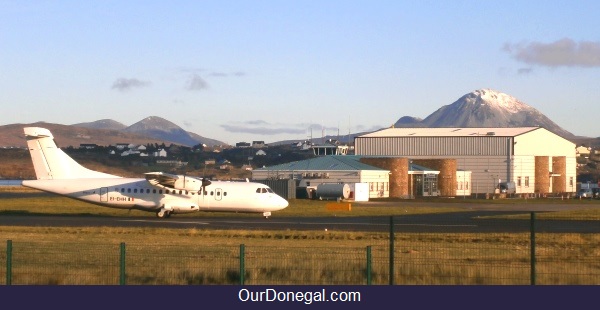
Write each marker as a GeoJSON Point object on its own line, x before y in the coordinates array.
{"type": "Point", "coordinates": [263, 190]}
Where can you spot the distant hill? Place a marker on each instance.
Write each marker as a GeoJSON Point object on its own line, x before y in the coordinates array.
{"type": "Point", "coordinates": [68, 135]}
{"type": "Point", "coordinates": [486, 108]}
{"type": "Point", "coordinates": [102, 124]}
{"type": "Point", "coordinates": [151, 129]}
{"type": "Point", "coordinates": [157, 127]}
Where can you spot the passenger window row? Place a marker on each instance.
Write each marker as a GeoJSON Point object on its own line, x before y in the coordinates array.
{"type": "Point", "coordinates": [167, 191]}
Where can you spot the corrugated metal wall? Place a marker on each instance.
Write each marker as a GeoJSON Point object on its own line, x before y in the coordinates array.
{"type": "Point", "coordinates": [283, 188]}
{"type": "Point", "coordinates": [432, 146]}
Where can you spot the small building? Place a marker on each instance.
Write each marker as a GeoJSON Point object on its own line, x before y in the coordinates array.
{"type": "Point", "coordinates": [242, 144]}
{"type": "Point", "coordinates": [247, 167]}
{"type": "Point", "coordinates": [258, 144]}
{"type": "Point", "coordinates": [160, 153]}
{"type": "Point", "coordinates": [88, 146]}
{"type": "Point", "coordinates": [122, 146]}
{"type": "Point", "coordinates": [312, 172]}
{"type": "Point", "coordinates": [583, 151]}
{"type": "Point", "coordinates": [329, 149]}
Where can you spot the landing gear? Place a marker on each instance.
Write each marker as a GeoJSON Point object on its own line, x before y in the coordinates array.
{"type": "Point", "coordinates": [266, 214]}
{"type": "Point", "coordinates": [162, 213]}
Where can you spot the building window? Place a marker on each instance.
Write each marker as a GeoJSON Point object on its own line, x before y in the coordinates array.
{"type": "Point", "coordinates": [571, 181]}
{"type": "Point", "coordinates": [526, 181]}
{"type": "Point", "coordinates": [467, 185]}
{"type": "Point", "coordinates": [518, 181]}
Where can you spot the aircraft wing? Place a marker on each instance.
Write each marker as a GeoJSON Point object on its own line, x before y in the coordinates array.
{"type": "Point", "coordinates": [162, 179]}
{"type": "Point", "coordinates": [176, 181]}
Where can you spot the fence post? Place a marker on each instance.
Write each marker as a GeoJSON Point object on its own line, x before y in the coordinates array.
{"type": "Point", "coordinates": [122, 265]}
{"type": "Point", "coordinates": [391, 250]}
{"type": "Point", "coordinates": [242, 263]}
{"type": "Point", "coordinates": [532, 247]}
{"type": "Point", "coordinates": [9, 262]}
{"type": "Point", "coordinates": [368, 265]}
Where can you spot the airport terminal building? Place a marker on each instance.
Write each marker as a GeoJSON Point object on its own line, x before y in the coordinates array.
{"type": "Point", "coordinates": [528, 160]}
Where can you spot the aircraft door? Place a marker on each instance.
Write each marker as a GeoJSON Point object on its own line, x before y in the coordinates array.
{"type": "Point", "coordinates": [218, 194]}
{"type": "Point", "coordinates": [103, 193]}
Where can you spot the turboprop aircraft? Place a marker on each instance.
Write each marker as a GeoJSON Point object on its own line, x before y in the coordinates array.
{"type": "Point", "coordinates": [159, 192]}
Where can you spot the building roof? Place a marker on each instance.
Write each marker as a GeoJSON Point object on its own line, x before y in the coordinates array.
{"type": "Point", "coordinates": [324, 163]}
{"type": "Point", "coordinates": [450, 132]}
{"type": "Point", "coordinates": [418, 169]}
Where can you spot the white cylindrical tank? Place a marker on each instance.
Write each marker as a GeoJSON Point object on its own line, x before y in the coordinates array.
{"type": "Point", "coordinates": [333, 191]}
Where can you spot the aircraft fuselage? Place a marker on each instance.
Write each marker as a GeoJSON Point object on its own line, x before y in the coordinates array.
{"type": "Point", "coordinates": [135, 193]}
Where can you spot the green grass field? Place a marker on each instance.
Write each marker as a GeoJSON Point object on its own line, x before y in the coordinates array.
{"type": "Point", "coordinates": [89, 255]}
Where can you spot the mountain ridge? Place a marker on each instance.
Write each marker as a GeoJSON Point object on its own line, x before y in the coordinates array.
{"type": "Point", "coordinates": [480, 108]}
{"type": "Point", "coordinates": [158, 128]}
{"type": "Point", "coordinates": [485, 108]}
{"type": "Point", "coordinates": [106, 132]}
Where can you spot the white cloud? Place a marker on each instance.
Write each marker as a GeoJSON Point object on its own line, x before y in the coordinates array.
{"type": "Point", "coordinates": [565, 52]}
{"type": "Point", "coordinates": [124, 84]}
{"type": "Point", "coordinates": [196, 83]}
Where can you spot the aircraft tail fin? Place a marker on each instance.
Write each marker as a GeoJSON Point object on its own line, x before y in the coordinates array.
{"type": "Point", "coordinates": [50, 162]}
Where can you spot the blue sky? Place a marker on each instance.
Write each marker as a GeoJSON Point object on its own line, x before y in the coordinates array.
{"type": "Point", "coordinates": [272, 70]}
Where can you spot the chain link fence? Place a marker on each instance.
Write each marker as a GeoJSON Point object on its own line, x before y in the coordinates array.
{"type": "Point", "coordinates": [521, 251]}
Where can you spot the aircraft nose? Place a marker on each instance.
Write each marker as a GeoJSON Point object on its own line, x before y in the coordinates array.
{"type": "Point", "coordinates": [283, 203]}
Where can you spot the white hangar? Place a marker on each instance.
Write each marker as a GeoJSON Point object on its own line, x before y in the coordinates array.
{"type": "Point", "coordinates": [532, 160]}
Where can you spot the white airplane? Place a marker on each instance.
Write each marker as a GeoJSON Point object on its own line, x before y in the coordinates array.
{"type": "Point", "coordinates": [158, 192]}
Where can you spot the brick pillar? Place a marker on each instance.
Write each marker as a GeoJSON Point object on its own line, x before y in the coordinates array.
{"type": "Point", "coordinates": [559, 166]}
{"type": "Point", "coordinates": [447, 176]}
{"type": "Point", "coordinates": [542, 174]}
{"type": "Point", "coordinates": [398, 167]}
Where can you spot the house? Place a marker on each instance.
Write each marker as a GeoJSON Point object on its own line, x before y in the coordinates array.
{"type": "Point", "coordinates": [88, 146]}
{"type": "Point", "coordinates": [261, 153]}
{"type": "Point", "coordinates": [242, 144]}
{"type": "Point", "coordinates": [583, 151]}
{"type": "Point", "coordinates": [160, 153]}
{"type": "Point", "coordinates": [247, 167]}
{"type": "Point", "coordinates": [122, 146]}
{"type": "Point", "coordinates": [258, 144]}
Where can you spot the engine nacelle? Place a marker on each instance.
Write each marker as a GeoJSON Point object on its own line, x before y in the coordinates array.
{"type": "Point", "coordinates": [187, 183]}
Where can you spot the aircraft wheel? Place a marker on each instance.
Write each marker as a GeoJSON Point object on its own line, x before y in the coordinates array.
{"type": "Point", "coordinates": [167, 214]}
{"type": "Point", "coordinates": [161, 214]}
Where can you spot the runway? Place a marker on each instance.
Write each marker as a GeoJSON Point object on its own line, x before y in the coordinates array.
{"type": "Point", "coordinates": [455, 222]}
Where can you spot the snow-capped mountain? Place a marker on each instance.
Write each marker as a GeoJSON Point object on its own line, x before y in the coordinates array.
{"type": "Point", "coordinates": [485, 108]}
